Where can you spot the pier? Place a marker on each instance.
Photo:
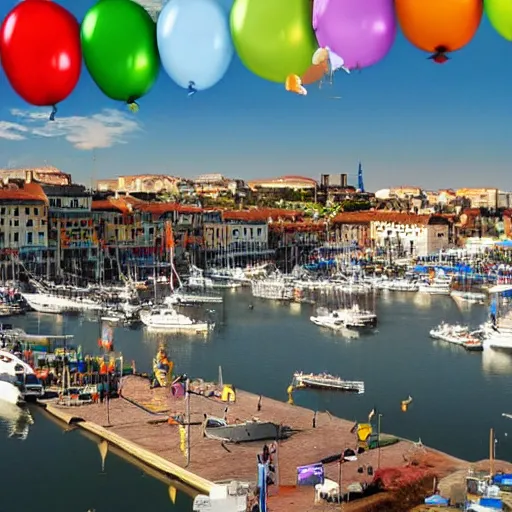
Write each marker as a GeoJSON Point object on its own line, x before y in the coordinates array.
{"type": "Point", "coordinates": [137, 423]}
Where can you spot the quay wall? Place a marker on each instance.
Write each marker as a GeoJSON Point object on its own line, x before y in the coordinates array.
{"type": "Point", "coordinates": [133, 449]}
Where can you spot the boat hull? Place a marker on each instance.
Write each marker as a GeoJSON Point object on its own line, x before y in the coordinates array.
{"type": "Point", "coordinates": [10, 393]}
{"type": "Point", "coordinates": [247, 432]}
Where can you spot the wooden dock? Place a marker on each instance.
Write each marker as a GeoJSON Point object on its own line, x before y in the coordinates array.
{"type": "Point", "coordinates": [136, 423]}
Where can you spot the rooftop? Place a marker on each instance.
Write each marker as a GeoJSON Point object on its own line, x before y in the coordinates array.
{"type": "Point", "coordinates": [385, 216]}
{"type": "Point", "coordinates": [261, 214]}
{"type": "Point", "coordinates": [66, 191]}
{"type": "Point", "coordinates": [22, 193]}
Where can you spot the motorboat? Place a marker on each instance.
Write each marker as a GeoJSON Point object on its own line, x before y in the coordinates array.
{"type": "Point", "coordinates": [474, 345]}
{"type": "Point", "coordinates": [350, 318]}
{"type": "Point", "coordinates": [168, 319]}
{"type": "Point", "coordinates": [121, 314]}
{"type": "Point", "coordinates": [18, 380]}
{"type": "Point", "coordinates": [248, 431]}
{"type": "Point", "coordinates": [457, 335]}
{"type": "Point", "coordinates": [440, 285]}
{"type": "Point", "coordinates": [232, 275]}
{"type": "Point", "coordinates": [326, 381]}
{"type": "Point", "coordinates": [9, 392]}
{"type": "Point", "coordinates": [180, 297]}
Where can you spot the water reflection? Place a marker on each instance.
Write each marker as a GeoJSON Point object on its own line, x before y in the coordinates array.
{"type": "Point", "coordinates": [496, 362]}
{"type": "Point", "coordinates": [16, 421]}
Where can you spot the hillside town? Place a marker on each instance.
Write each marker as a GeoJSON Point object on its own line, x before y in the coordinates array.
{"type": "Point", "coordinates": [54, 227]}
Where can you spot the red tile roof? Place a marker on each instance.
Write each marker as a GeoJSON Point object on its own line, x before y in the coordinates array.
{"type": "Point", "coordinates": [383, 216]}
{"type": "Point", "coordinates": [29, 192]}
{"type": "Point", "coordinates": [162, 208]}
{"type": "Point", "coordinates": [111, 205]}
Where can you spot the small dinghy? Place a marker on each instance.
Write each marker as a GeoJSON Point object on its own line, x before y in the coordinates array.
{"type": "Point", "coordinates": [326, 381]}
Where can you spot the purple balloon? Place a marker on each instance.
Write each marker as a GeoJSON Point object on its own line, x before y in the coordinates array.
{"type": "Point", "coordinates": [360, 31]}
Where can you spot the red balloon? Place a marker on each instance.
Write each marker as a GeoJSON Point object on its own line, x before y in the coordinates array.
{"type": "Point", "coordinates": [40, 51]}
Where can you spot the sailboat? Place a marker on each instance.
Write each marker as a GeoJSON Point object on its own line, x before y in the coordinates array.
{"type": "Point", "coordinates": [179, 296]}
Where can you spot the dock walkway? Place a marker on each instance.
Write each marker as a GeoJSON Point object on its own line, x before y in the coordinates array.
{"type": "Point", "coordinates": [136, 423]}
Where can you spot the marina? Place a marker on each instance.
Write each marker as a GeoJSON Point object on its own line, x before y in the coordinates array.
{"type": "Point", "coordinates": [264, 314]}
{"type": "Point", "coordinates": [206, 307]}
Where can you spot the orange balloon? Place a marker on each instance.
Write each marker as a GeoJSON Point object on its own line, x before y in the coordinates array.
{"type": "Point", "coordinates": [293, 84]}
{"type": "Point", "coordinates": [439, 26]}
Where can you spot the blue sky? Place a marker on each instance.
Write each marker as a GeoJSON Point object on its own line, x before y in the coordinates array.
{"type": "Point", "coordinates": [408, 120]}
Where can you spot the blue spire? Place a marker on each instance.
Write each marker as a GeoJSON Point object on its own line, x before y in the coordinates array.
{"type": "Point", "coordinates": [360, 183]}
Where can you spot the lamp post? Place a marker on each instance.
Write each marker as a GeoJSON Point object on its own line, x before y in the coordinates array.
{"type": "Point", "coordinates": [378, 439]}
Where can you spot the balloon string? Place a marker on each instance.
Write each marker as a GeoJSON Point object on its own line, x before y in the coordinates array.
{"type": "Point", "coordinates": [54, 111]}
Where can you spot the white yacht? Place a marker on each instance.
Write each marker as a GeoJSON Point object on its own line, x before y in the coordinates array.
{"type": "Point", "coordinates": [180, 297]}
{"type": "Point", "coordinates": [17, 379]}
{"type": "Point", "coordinates": [9, 392]}
{"type": "Point", "coordinates": [498, 331]}
{"type": "Point", "coordinates": [398, 285]}
{"type": "Point", "coordinates": [46, 303]}
{"type": "Point", "coordinates": [351, 318]}
{"type": "Point", "coordinates": [440, 285]}
{"type": "Point", "coordinates": [169, 320]}
{"type": "Point", "coordinates": [456, 334]}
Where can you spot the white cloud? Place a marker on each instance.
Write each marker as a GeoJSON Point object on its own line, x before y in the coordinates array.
{"type": "Point", "coordinates": [101, 130]}
{"type": "Point", "coordinates": [12, 131]}
{"type": "Point", "coordinates": [152, 6]}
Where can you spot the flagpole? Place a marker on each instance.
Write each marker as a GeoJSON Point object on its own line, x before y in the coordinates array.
{"type": "Point", "coordinates": [378, 439]}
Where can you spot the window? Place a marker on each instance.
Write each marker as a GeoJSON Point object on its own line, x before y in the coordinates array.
{"type": "Point", "coordinates": [40, 237]}
{"type": "Point", "coordinates": [16, 212]}
{"type": "Point", "coordinates": [16, 223]}
{"type": "Point", "coordinates": [16, 237]}
{"type": "Point", "coordinates": [29, 223]}
{"type": "Point", "coordinates": [74, 203]}
{"type": "Point", "coordinates": [2, 211]}
{"type": "Point", "coordinates": [27, 211]}
{"type": "Point", "coordinates": [30, 238]}
{"type": "Point", "coordinates": [36, 212]}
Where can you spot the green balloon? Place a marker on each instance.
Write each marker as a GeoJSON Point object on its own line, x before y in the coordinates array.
{"type": "Point", "coordinates": [120, 49]}
{"type": "Point", "coordinates": [499, 13]}
{"type": "Point", "coordinates": [274, 38]}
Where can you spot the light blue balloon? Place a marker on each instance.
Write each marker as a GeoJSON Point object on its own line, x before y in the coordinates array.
{"type": "Point", "coordinates": [194, 42]}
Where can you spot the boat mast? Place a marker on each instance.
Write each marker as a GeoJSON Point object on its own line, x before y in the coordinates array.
{"type": "Point", "coordinates": [491, 452]}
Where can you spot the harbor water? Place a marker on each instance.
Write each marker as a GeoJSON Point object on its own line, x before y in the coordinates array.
{"type": "Point", "coordinates": [457, 396]}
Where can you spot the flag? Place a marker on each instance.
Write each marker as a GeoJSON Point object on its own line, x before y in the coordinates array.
{"type": "Point", "coordinates": [169, 236]}
{"type": "Point", "coordinates": [371, 415]}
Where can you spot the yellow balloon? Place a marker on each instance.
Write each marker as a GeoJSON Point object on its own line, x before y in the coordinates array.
{"type": "Point", "coordinates": [499, 13]}
{"type": "Point", "coordinates": [273, 38]}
